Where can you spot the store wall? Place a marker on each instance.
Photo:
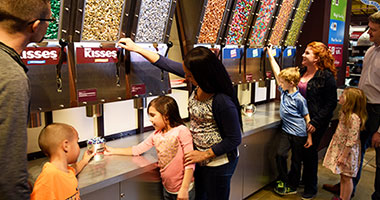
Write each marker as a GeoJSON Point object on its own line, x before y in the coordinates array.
{"type": "Point", "coordinates": [317, 28]}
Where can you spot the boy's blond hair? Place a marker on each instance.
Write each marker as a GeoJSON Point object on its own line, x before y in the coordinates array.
{"type": "Point", "coordinates": [291, 75]}
{"type": "Point", "coordinates": [52, 135]}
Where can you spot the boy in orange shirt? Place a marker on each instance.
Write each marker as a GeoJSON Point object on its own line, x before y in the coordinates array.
{"type": "Point", "coordinates": [58, 180]}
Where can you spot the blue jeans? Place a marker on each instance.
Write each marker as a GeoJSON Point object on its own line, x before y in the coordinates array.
{"type": "Point", "coordinates": [169, 196]}
{"type": "Point", "coordinates": [213, 183]}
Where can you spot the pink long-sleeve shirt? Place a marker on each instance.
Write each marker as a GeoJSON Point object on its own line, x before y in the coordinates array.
{"type": "Point", "coordinates": [171, 148]}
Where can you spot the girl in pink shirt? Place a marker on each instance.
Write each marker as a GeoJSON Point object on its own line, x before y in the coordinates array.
{"type": "Point", "coordinates": [172, 140]}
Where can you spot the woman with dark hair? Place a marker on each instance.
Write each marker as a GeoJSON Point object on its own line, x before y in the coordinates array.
{"type": "Point", "coordinates": [215, 117]}
{"type": "Point", "coordinates": [318, 86]}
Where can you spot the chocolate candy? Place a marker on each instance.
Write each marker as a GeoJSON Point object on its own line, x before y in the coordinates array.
{"type": "Point", "coordinates": [212, 21]}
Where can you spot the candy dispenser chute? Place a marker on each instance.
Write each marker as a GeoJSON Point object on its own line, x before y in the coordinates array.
{"type": "Point", "coordinates": [282, 21]}
{"type": "Point", "coordinates": [298, 21]}
{"type": "Point", "coordinates": [153, 20]}
{"type": "Point", "coordinates": [99, 20]}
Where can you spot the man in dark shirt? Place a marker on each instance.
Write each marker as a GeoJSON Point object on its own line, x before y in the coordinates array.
{"type": "Point", "coordinates": [21, 22]}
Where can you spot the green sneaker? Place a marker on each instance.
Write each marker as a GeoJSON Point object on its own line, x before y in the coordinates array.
{"type": "Point", "coordinates": [282, 189]}
{"type": "Point", "coordinates": [279, 188]}
{"type": "Point", "coordinates": [289, 191]}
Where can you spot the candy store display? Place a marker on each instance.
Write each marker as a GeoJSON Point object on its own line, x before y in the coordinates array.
{"type": "Point", "coordinates": [102, 20]}
{"type": "Point", "coordinates": [212, 21]}
{"type": "Point", "coordinates": [239, 22]}
{"type": "Point", "coordinates": [261, 25]}
{"type": "Point", "coordinates": [281, 22]}
{"type": "Point", "coordinates": [52, 30]}
{"type": "Point", "coordinates": [153, 18]}
{"type": "Point", "coordinates": [297, 23]}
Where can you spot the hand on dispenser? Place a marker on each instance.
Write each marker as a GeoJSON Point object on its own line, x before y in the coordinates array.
{"type": "Point", "coordinates": [269, 50]}
{"type": "Point", "coordinates": [127, 44]}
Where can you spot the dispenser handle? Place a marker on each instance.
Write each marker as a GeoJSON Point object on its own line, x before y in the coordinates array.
{"type": "Point", "coordinates": [241, 57]}
{"type": "Point", "coordinates": [61, 59]}
{"type": "Point", "coordinates": [120, 61]}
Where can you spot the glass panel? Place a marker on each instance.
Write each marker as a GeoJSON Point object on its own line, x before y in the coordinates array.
{"type": "Point", "coordinates": [262, 21]}
{"type": "Point", "coordinates": [211, 21]}
{"type": "Point", "coordinates": [153, 19]}
{"type": "Point", "coordinates": [52, 31]}
{"type": "Point", "coordinates": [281, 22]}
{"type": "Point", "coordinates": [297, 23]}
{"type": "Point", "coordinates": [102, 20]}
{"type": "Point", "coordinates": [239, 21]}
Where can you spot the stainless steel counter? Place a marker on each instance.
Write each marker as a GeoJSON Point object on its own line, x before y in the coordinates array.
{"type": "Point", "coordinates": [114, 169]}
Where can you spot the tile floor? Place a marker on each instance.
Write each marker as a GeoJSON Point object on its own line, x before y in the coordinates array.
{"type": "Point", "coordinates": [363, 191]}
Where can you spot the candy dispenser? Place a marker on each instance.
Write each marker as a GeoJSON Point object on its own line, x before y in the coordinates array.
{"type": "Point", "coordinates": [153, 21]}
{"type": "Point", "coordinates": [99, 20]}
{"type": "Point", "coordinates": [213, 21]}
{"type": "Point", "coordinates": [150, 29]}
{"type": "Point", "coordinates": [100, 73]}
{"type": "Point", "coordinates": [100, 70]}
{"type": "Point", "coordinates": [256, 67]}
{"type": "Point", "coordinates": [282, 21]}
{"type": "Point", "coordinates": [298, 21]}
{"type": "Point", "coordinates": [232, 53]}
{"type": "Point", "coordinates": [263, 21]}
{"type": "Point", "coordinates": [239, 23]}
{"type": "Point", "coordinates": [48, 62]}
{"type": "Point", "coordinates": [288, 57]}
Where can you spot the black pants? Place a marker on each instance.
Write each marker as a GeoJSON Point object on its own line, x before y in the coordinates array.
{"type": "Point", "coordinates": [295, 144]}
{"type": "Point", "coordinates": [310, 163]}
{"type": "Point", "coordinates": [371, 127]}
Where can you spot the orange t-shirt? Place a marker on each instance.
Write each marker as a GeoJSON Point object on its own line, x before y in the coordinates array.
{"type": "Point", "coordinates": [55, 184]}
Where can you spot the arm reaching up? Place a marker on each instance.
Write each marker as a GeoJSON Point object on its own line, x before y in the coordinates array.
{"type": "Point", "coordinates": [129, 45]}
{"type": "Point", "coordinates": [273, 63]}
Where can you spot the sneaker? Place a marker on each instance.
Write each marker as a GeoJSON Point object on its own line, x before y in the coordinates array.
{"type": "Point", "coordinates": [289, 191]}
{"type": "Point", "coordinates": [306, 196]}
{"type": "Point", "coordinates": [282, 189]}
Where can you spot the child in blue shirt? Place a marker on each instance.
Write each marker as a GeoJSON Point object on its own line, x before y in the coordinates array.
{"type": "Point", "coordinates": [294, 137]}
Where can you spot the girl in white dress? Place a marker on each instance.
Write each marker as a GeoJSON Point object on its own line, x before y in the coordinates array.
{"type": "Point", "coordinates": [342, 156]}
